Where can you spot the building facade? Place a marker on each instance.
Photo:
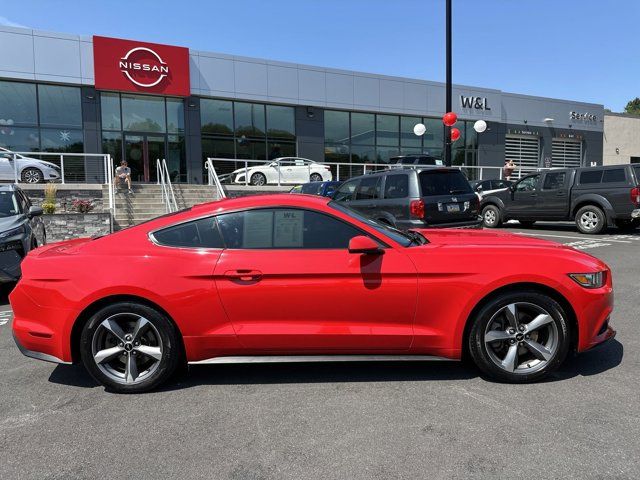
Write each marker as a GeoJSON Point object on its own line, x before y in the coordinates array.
{"type": "Point", "coordinates": [141, 101]}
{"type": "Point", "coordinates": [621, 140]}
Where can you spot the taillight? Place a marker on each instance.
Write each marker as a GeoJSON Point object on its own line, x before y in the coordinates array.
{"type": "Point", "coordinates": [635, 195]}
{"type": "Point", "coordinates": [416, 208]}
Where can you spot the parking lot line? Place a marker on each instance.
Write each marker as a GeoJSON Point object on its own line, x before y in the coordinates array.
{"type": "Point", "coordinates": [572, 238]}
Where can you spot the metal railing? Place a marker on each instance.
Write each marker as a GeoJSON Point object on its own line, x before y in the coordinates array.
{"type": "Point", "coordinates": [164, 180]}
{"type": "Point", "coordinates": [32, 167]}
{"type": "Point", "coordinates": [213, 179]}
{"type": "Point", "coordinates": [340, 171]}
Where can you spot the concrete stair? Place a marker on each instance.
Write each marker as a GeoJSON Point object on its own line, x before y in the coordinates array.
{"type": "Point", "coordinates": [146, 202]}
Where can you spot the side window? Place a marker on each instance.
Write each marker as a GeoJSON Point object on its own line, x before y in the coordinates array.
{"type": "Point", "coordinates": [527, 184]}
{"type": "Point", "coordinates": [287, 163]}
{"type": "Point", "coordinates": [284, 228]}
{"type": "Point", "coordinates": [24, 203]}
{"type": "Point", "coordinates": [330, 190]}
{"type": "Point", "coordinates": [300, 163]}
{"type": "Point", "coordinates": [590, 176]}
{"type": "Point", "coordinates": [346, 190]}
{"type": "Point", "coordinates": [201, 233]}
{"type": "Point", "coordinates": [396, 186]}
{"type": "Point", "coordinates": [554, 181]}
{"type": "Point", "coordinates": [614, 175]}
{"type": "Point", "coordinates": [369, 188]}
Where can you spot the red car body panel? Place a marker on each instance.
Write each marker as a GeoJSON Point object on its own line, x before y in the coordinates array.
{"type": "Point", "coordinates": [410, 300]}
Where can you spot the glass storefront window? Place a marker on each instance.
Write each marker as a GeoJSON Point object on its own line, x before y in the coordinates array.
{"type": "Point", "coordinates": [59, 106]}
{"type": "Point", "coordinates": [176, 159]}
{"type": "Point", "coordinates": [219, 148]}
{"type": "Point", "coordinates": [387, 130]}
{"type": "Point", "coordinates": [407, 137]}
{"type": "Point", "coordinates": [19, 139]}
{"type": "Point", "coordinates": [281, 122]}
{"type": "Point", "coordinates": [383, 154]}
{"type": "Point", "coordinates": [61, 140]}
{"type": "Point", "coordinates": [175, 115]}
{"type": "Point", "coordinates": [112, 144]}
{"type": "Point", "coordinates": [363, 129]}
{"type": "Point", "coordinates": [110, 111]}
{"type": "Point", "coordinates": [249, 119]}
{"type": "Point", "coordinates": [143, 113]}
{"type": "Point", "coordinates": [471, 138]}
{"type": "Point", "coordinates": [336, 127]}
{"type": "Point", "coordinates": [216, 116]}
{"type": "Point", "coordinates": [434, 136]}
{"type": "Point", "coordinates": [251, 149]}
{"type": "Point", "coordinates": [18, 104]}
{"type": "Point", "coordinates": [281, 149]}
{"type": "Point", "coordinates": [363, 154]}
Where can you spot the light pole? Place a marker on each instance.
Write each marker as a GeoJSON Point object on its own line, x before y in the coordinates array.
{"type": "Point", "coordinates": [447, 129]}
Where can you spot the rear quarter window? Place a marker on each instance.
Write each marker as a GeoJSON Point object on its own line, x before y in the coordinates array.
{"type": "Point", "coordinates": [614, 175]}
{"type": "Point", "coordinates": [201, 233]}
{"type": "Point", "coordinates": [590, 177]}
{"type": "Point", "coordinates": [443, 182]}
{"type": "Point", "coordinates": [396, 186]}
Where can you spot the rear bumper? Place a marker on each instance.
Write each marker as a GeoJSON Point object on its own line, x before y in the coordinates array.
{"type": "Point", "coordinates": [420, 224]}
{"type": "Point", "coordinates": [37, 355]}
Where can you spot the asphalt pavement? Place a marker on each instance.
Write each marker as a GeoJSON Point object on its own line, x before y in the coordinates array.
{"type": "Point", "coordinates": [339, 421]}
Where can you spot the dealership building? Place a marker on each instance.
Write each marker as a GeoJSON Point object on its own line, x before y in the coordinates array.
{"type": "Point", "coordinates": [141, 101]}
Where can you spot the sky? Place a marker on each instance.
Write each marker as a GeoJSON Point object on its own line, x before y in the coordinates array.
{"type": "Point", "coordinates": [583, 50]}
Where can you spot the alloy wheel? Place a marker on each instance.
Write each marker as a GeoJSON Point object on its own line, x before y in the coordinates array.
{"type": "Point", "coordinates": [521, 338]}
{"type": "Point", "coordinates": [127, 348]}
{"type": "Point", "coordinates": [589, 220]}
{"type": "Point", "coordinates": [490, 217]}
{"type": "Point", "coordinates": [31, 176]}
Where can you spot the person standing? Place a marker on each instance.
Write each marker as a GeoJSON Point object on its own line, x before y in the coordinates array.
{"type": "Point", "coordinates": [508, 169]}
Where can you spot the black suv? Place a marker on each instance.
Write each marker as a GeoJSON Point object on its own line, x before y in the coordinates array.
{"type": "Point", "coordinates": [593, 197]}
{"type": "Point", "coordinates": [416, 197]}
{"type": "Point", "coordinates": [415, 160]}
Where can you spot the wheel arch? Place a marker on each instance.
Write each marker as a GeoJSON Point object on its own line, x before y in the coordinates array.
{"type": "Point", "coordinates": [572, 318]}
{"type": "Point", "coordinates": [92, 308]}
{"type": "Point", "coordinates": [596, 200]}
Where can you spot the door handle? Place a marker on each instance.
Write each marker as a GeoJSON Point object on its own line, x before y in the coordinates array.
{"type": "Point", "coordinates": [560, 194]}
{"type": "Point", "coordinates": [534, 194]}
{"type": "Point", "coordinates": [245, 275]}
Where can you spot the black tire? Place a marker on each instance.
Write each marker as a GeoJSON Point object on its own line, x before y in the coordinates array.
{"type": "Point", "coordinates": [32, 175]}
{"type": "Point", "coordinates": [258, 179]}
{"type": "Point", "coordinates": [527, 223]}
{"type": "Point", "coordinates": [491, 216]}
{"type": "Point", "coordinates": [315, 177]}
{"type": "Point", "coordinates": [485, 359]}
{"type": "Point", "coordinates": [590, 220]}
{"type": "Point", "coordinates": [171, 347]}
{"type": "Point", "coordinates": [628, 225]}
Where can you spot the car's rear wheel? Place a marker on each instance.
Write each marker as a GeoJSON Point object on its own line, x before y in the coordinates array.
{"type": "Point", "coordinates": [527, 223]}
{"type": "Point", "coordinates": [130, 347]}
{"type": "Point", "coordinates": [519, 337]}
{"type": "Point", "coordinates": [590, 219]}
{"type": "Point", "coordinates": [258, 179]}
{"type": "Point", "coordinates": [32, 175]}
{"type": "Point", "coordinates": [315, 177]}
{"type": "Point", "coordinates": [491, 217]}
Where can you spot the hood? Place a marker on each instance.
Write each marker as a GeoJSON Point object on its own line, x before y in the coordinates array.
{"type": "Point", "coordinates": [482, 237]}
{"type": "Point", "coordinates": [8, 223]}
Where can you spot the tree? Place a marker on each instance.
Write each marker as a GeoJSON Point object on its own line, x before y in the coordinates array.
{"type": "Point", "coordinates": [633, 107]}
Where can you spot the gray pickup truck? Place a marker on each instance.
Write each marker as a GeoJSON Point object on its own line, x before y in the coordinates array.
{"type": "Point", "coordinates": [595, 198]}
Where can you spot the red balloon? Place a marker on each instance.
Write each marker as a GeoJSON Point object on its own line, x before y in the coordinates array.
{"type": "Point", "coordinates": [449, 119]}
{"type": "Point", "coordinates": [455, 134]}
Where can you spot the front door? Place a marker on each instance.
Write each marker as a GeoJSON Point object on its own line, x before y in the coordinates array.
{"type": "Point", "coordinates": [552, 201]}
{"type": "Point", "coordinates": [141, 151]}
{"type": "Point", "coordinates": [524, 197]}
{"type": "Point", "coordinates": [288, 283]}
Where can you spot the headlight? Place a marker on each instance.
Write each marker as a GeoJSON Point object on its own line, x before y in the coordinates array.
{"type": "Point", "coordinates": [14, 231]}
{"type": "Point", "coordinates": [589, 280]}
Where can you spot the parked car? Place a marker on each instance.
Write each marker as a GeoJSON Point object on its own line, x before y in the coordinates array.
{"type": "Point", "coordinates": [21, 230]}
{"type": "Point", "coordinates": [415, 197]}
{"type": "Point", "coordinates": [415, 160]}
{"type": "Point", "coordinates": [285, 170]}
{"type": "Point", "coordinates": [487, 187]}
{"type": "Point", "coordinates": [324, 189]}
{"type": "Point", "coordinates": [30, 170]}
{"type": "Point", "coordinates": [594, 197]}
{"type": "Point", "coordinates": [233, 281]}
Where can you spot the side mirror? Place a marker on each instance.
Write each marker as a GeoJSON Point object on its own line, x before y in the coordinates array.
{"type": "Point", "coordinates": [364, 245]}
{"type": "Point", "coordinates": [35, 212]}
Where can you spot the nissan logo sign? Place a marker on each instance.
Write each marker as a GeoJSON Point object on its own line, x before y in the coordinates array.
{"type": "Point", "coordinates": [144, 67]}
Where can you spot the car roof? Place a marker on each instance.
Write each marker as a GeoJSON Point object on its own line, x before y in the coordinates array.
{"type": "Point", "coordinates": [9, 186]}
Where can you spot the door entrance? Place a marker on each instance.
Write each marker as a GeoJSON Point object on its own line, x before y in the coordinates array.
{"type": "Point", "coordinates": [141, 152]}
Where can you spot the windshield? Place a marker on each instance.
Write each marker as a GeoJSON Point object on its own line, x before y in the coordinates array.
{"type": "Point", "coordinates": [443, 182]}
{"type": "Point", "coordinates": [405, 239]}
{"type": "Point", "coordinates": [8, 204]}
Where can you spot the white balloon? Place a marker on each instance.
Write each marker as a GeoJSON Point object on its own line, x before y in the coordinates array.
{"type": "Point", "coordinates": [419, 129]}
{"type": "Point", "coordinates": [480, 126]}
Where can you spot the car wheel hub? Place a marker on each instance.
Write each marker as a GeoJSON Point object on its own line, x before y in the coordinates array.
{"type": "Point", "coordinates": [589, 220]}
{"type": "Point", "coordinates": [521, 338]}
{"type": "Point", "coordinates": [127, 348]}
{"type": "Point", "coordinates": [490, 216]}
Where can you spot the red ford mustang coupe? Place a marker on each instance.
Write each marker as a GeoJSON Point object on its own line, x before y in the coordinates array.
{"type": "Point", "coordinates": [301, 278]}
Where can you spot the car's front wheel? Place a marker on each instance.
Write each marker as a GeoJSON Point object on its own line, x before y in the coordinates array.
{"type": "Point", "coordinates": [315, 177]}
{"type": "Point", "coordinates": [130, 347]}
{"type": "Point", "coordinates": [491, 217]}
{"type": "Point", "coordinates": [258, 179]}
{"type": "Point", "coordinates": [519, 337]}
{"type": "Point", "coordinates": [32, 175]}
